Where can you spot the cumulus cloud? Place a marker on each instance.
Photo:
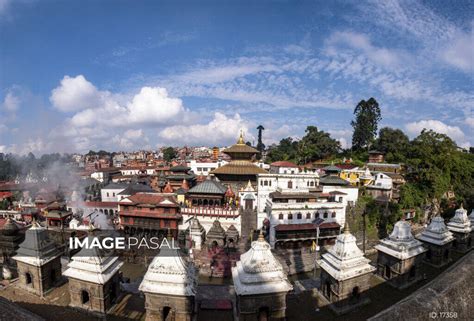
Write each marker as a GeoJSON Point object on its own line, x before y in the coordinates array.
{"type": "Point", "coordinates": [76, 93]}
{"type": "Point", "coordinates": [221, 130]}
{"type": "Point", "coordinates": [469, 121]}
{"type": "Point", "coordinates": [11, 102]}
{"type": "Point", "coordinates": [454, 132]}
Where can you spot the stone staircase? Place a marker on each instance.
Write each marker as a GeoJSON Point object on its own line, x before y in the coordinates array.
{"type": "Point", "coordinates": [295, 261]}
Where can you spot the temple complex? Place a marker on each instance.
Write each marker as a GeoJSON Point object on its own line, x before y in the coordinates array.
{"type": "Point", "coordinates": [240, 169]}
{"type": "Point", "coordinates": [170, 287]}
{"type": "Point", "coordinates": [400, 257]}
{"type": "Point", "coordinates": [438, 240]}
{"type": "Point", "coordinates": [460, 226]}
{"type": "Point", "coordinates": [10, 239]}
{"type": "Point", "coordinates": [94, 280]}
{"type": "Point", "coordinates": [345, 274]}
{"type": "Point", "coordinates": [178, 174]}
{"type": "Point", "coordinates": [260, 284]}
{"type": "Point", "coordinates": [38, 261]}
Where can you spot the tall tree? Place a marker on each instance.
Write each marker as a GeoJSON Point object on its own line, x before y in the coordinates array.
{"type": "Point", "coordinates": [367, 116]}
{"type": "Point", "coordinates": [169, 154]}
{"type": "Point", "coordinates": [316, 144]}
{"type": "Point", "coordinates": [285, 150]}
{"type": "Point", "coordinates": [394, 143]}
{"type": "Point", "coordinates": [260, 144]}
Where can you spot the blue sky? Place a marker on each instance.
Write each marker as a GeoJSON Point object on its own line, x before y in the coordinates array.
{"type": "Point", "coordinates": [126, 75]}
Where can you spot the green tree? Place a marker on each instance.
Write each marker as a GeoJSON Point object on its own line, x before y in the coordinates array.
{"type": "Point", "coordinates": [315, 145]}
{"type": "Point", "coordinates": [394, 143]}
{"type": "Point", "coordinates": [367, 116]}
{"type": "Point", "coordinates": [285, 150]}
{"type": "Point", "coordinates": [169, 154]}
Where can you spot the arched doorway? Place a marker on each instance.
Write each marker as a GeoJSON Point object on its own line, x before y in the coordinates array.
{"type": "Point", "coordinates": [29, 279]}
{"type": "Point", "coordinates": [84, 297]}
{"type": "Point", "coordinates": [263, 314]}
{"type": "Point", "coordinates": [388, 272]}
{"type": "Point", "coordinates": [328, 290]}
{"type": "Point", "coordinates": [166, 314]}
{"type": "Point", "coordinates": [355, 292]}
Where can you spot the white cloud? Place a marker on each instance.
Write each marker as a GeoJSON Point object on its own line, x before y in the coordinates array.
{"type": "Point", "coordinates": [221, 130]}
{"type": "Point", "coordinates": [454, 132]}
{"type": "Point", "coordinates": [469, 121]}
{"type": "Point", "coordinates": [459, 52]}
{"type": "Point", "coordinates": [133, 134]}
{"type": "Point", "coordinates": [76, 93]}
{"type": "Point", "coordinates": [11, 102]}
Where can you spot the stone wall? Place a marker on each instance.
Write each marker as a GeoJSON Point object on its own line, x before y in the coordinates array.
{"type": "Point", "coordinates": [251, 307]}
{"type": "Point", "coordinates": [176, 308]}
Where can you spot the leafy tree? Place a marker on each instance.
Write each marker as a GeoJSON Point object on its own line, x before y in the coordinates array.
{"type": "Point", "coordinates": [169, 154]}
{"type": "Point", "coordinates": [316, 144]}
{"type": "Point", "coordinates": [285, 150]}
{"type": "Point", "coordinates": [394, 143]}
{"type": "Point", "coordinates": [367, 116]}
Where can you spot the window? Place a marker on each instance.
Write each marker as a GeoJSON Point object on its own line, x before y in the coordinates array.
{"type": "Point", "coordinates": [290, 216]}
{"type": "Point", "coordinates": [299, 216]}
{"type": "Point", "coordinates": [265, 183]}
{"type": "Point", "coordinates": [333, 215]}
{"type": "Point", "coordinates": [308, 216]}
{"type": "Point", "coordinates": [113, 194]}
{"type": "Point", "coordinates": [261, 183]}
{"type": "Point", "coordinates": [325, 215]}
{"type": "Point", "coordinates": [269, 183]}
{"type": "Point", "coordinates": [316, 215]}
{"type": "Point", "coordinates": [107, 194]}
{"type": "Point", "coordinates": [290, 184]}
{"type": "Point", "coordinates": [280, 216]}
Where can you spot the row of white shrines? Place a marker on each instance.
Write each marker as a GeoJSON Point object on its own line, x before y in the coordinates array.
{"type": "Point", "coordinates": [260, 283]}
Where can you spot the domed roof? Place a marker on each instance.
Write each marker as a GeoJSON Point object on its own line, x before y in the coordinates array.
{"type": "Point", "coordinates": [258, 271]}
{"type": "Point", "coordinates": [460, 222]}
{"type": "Point", "coordinates": [401, 244]}
{"type": "Point", "coordinates": [437, 232]}
{"type": "Point", "coordinates": [401, 232]}
{"type": "Point", "coordinates": [169, 274]}
{"type": "Point", "coordinates": [345, 260]}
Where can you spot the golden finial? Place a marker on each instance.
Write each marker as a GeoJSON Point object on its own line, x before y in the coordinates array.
{"type": "Point", "coordinates": [346, 228]}
{"type": "Point", "coordinates": [241, 138]}
{"type": "Point", "coordinates": [260, 236]}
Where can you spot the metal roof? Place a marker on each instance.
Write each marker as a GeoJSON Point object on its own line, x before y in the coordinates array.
{"type": "Point", "coordinates": [208, 187]}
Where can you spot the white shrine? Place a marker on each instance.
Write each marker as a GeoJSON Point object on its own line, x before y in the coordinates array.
{"type": "Point", "coordinates": [400, 256]}
{"type": "Point", "coordinates": [170, 287]}
{"type": "Point", "coordinates": [260, 284]}
{"type": "Point", "coordinates": [438, 240]}
{"type": "Point", "coordinates": [460, 226]}
{"type": "Point", "coordinates": [94, 279]}
{"type": "Point", "coordinates": [345, 274]}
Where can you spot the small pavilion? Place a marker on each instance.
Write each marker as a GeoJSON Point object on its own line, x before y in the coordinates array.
{"type": "Point", "coordinates": [460, 226]}
{"type": "Point", "coordinates": [438, 240]}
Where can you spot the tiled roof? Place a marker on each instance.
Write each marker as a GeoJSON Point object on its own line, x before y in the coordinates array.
{"type": "Point", "coordinates": [136, 188]}
{"type": "Point", "coordinates": [208, 187]}
{"type": "Point", "coordinates": [116, 186]}
{"type": "Point", "coordinates": [153, 199]}
{"type": "Point", "coordinates": [283, 164]}
{"type": "Point", "coordinates": [333, 180]}
{"type": "Point", "coordinates": [240, 148]}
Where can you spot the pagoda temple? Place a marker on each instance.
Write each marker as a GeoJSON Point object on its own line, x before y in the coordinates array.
{"type": "Point", "coordinates": [94, 280]}
{"type": "Point", "coordinates": [10, 239]}
{"type": "Point", "coordinates": [400, 256]}
{"type": "Point", "coordinates": [260, 284]}
{"type": "Point", "coordinates": [240, 169]}
{"type": "Point", "coordinates": [170, 287]}
{"type": "Point", "coordinates": [438, 240]}
{"type": "Point", "coordinates": [38, 261]}
{"type": "Point", "coordinates": [345, 274]}
{"type": "Point", "coordinates": [460, 226]}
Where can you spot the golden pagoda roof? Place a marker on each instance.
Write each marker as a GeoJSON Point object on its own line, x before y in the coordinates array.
{"type": "Point", "coordinates": [239, 167]}
{"type": "Point", "coordinates": [240, 147]}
